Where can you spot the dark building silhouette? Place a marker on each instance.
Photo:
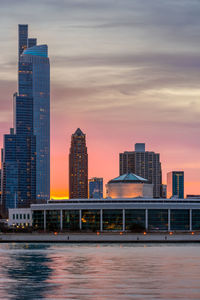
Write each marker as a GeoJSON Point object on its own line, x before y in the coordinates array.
{"type": "Point", "coordinates": [145, 164]}
{"type": "Point", "coordinates": [78, 166]}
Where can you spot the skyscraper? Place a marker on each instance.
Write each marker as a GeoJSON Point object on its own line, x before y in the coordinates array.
{"type": "Point", "coordinates": [26, 150]}
{"type": "Point", "coordinates": [96, 188]}
{"type": "Point", "coordinates": [34, 82]}
{"type": "Point", "coordinates": [78, 166]}
{"type": "Point", "coordinates": [143, 163]}
{"type": "Point", "coordinates": [175, 184]}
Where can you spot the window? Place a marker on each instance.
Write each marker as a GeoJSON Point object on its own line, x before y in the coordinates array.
{"type": "Point", "coordinates": [112, 219]}
{"type": "Point", "coordinates": [20, 216]}
{"type": "Point", "coordinates": [13, 216]}
{"type": "Point", "coordinates": [28, 216]}
{"type": "Point", "coordinates": [16, 216]}
{"type": "Point", "coordinates": [90, 220]}
{"type": "Point", "coordinates": [158, 219]}
{"type": "Point", "coordinates": [135, 219]}
{"type": "Point", "coordinates": [179, 219]}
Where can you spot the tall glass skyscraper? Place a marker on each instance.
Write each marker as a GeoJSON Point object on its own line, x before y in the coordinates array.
{"type": "Point", "coordinates": [34, 82]}
{"type": "Point", "coordinates": [26, 151]}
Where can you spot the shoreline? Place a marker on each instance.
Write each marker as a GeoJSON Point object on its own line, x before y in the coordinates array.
{"type": "Point", "coordinates": [99, 238]}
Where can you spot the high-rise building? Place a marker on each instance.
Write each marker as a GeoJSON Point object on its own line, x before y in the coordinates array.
{"type": "Point", "coordinates": [96, 188]}
{"type": "Point", "coordinates": [143, 163]}
{"type": "Point", "coordinates": [175, 184]}
{"type": "Point", "coordinates": [78, 166]}
{"type": "Point", "coordinates": [34, 82]}
{"type": "Point", "coordinates": [26, 150]}
{"type": "Point", "coordinates": [18, 167]}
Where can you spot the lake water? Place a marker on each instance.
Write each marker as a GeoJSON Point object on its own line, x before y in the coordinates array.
{"type": "Point", "coordinates": [61, 271]}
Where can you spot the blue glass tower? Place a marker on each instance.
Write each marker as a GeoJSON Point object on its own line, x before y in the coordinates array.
{"type": "Point", "coordinates": [96, 188]}
{"type": "Point", "coordinates": [34, 82]}
{"type": "Point", "coordinates": [175, 184]}
{"type": "Point", "coordinates": [26, 150]}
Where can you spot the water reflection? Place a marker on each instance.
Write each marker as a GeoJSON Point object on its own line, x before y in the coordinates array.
{"type": "Point", "coordinates": [27, 271]}
{"type": "Point", "coordinates": [55, 271]}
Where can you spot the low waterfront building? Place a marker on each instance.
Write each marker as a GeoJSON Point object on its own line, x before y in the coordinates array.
{"type": "Point", "coordinates": [113, 215]}
{"type": "Point", "coordinates": [129, 186]}
{"type": "Point", "coordinates": [20, 217]}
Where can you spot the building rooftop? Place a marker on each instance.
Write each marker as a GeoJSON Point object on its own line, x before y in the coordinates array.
{"type": "Point", "coordinates": [128, 178]}
{"type": "Point", "coordinates": [39, 50]}
{"type": "Point", "coordinates": [79, 132]}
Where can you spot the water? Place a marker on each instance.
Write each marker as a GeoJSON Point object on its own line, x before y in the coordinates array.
{"type": "Point", "coordinates": [61, 271]}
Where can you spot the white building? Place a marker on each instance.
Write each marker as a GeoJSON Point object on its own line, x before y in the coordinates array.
{"type": "Point", "coordinates": [21, 217]}
{"type": "Point", "coordinates": [129, 186]}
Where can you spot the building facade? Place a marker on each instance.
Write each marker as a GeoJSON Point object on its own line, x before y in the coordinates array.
{"type": "Point", "coordinates": [18, 170]}
{"type": "Point", "coordinates": [117, 215]}
{"type": "Point", "coordinates": [26, 150]}
{"type": "Point", "coordinates": [96, 188]}
{"type": "Point", "coordinates": [20, 217]}
{"type": "Point", "coordinates": [78, 166]}
{"type": "Point", "coordinates": [34, 82]}
{"type": "Point", "coordinates": [145, 164]}
{"type": "Point", "coordinates": [129, 186]}
{"type": "Point", "coordinates": [175, 184]}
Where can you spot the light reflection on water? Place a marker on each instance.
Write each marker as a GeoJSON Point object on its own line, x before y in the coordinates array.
{"type": "Point", "coordinates": [59, 271]}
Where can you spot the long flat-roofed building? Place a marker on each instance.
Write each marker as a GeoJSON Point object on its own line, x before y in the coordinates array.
{"type": "Point", "coordinates": [116, 214]}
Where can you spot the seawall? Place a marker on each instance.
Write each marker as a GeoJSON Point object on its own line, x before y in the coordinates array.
{"type": "Point", "coordinates": [100, 238]}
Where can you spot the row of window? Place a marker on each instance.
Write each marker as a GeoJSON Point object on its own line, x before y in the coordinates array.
{"type": "Point", "coordinates": [158, 219]}
{"type": "Point", "coordinates": [21, 216]}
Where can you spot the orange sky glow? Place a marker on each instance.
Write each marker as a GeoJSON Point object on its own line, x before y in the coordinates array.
{"type": "Point", "coordinates": [124, 72]}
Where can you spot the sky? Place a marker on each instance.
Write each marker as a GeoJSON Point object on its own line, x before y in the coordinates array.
{"type": "Point", "coordinates": [124, 71]}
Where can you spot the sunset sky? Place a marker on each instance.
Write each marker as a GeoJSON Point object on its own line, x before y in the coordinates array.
{"type": "Point", "coordinates": [124, 71]}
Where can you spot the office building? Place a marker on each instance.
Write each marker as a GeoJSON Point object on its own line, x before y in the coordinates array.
{"type": "Point", "coordinates": [175, 184]}
{"type": "Point", "coordinates": [19, 170]}
{"type": "Point", "coordinates": [145, 164]}
{"type": "Point", "coordinates": [96, 188]}
{"type": "Point", "coordinates": [78, 166]}
{"type": "Point", "coordinates": [129, 186]}
{"type": "Point", "coordinates": [164, 191]}
{"type": "Point", "coordinates": [26, 150]}
{"type": "Point", "coordinates": [34, 82]}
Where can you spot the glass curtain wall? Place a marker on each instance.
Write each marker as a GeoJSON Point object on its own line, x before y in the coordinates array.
{"type": "Point", "coordinates": [180, 219]}
{"type": "Point", "coordinates": [196, 219]}
{"type": "Point", "coordinates": [90, 220]}
{"type": "Point", "coordinates": [112, 219]}
{"type": "Point", "coordinates": [158, 219]}
{"type": "Point", "coordinates": [38, 219]}
{"type": "Point", "coordinates": [53, 220]}
{"type": "Point", "coordinates": [135, 219]}
{"type": "Point", "coordinates": [71, 220]}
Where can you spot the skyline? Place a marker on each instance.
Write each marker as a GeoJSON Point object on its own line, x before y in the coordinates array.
{"type": "Point", "coordinates": [112, 77]}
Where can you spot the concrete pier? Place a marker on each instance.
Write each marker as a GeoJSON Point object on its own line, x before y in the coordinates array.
{"type": "Point", "coordinates": [100, 238]}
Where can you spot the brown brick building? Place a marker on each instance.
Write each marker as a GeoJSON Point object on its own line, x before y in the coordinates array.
{"type": "Point", "coordinates": [143, 163]}
{"type": "Point", "coordinates": [78, 166]}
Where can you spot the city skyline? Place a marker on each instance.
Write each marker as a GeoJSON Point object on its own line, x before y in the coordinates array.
{"type": "Point", "coordinates": [116, 87]}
